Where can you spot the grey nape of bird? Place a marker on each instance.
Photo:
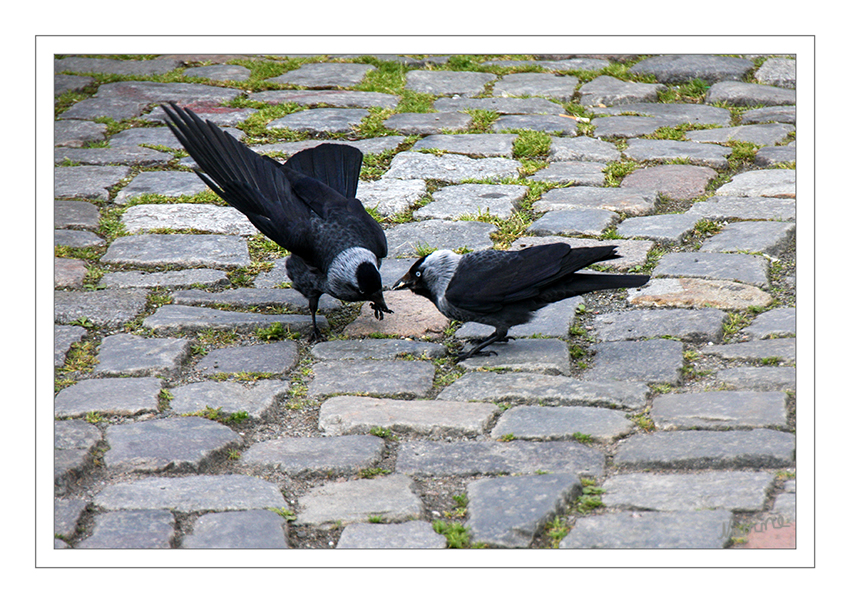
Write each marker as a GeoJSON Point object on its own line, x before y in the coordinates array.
{"type": "Point", "coordinates": [306, 205]}
{"type": "Point", "coordinates": [505, 288]}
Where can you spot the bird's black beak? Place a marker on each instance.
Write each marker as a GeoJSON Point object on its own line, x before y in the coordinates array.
{"type": "Point", "coordinates": [402, 283]}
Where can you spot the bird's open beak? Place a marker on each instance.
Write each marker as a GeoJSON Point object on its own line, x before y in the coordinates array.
{"type": "Point", "coordinates": [401, 284]}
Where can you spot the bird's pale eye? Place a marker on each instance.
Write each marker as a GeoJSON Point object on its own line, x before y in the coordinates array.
{"type": "Point", "coordinates": [418, 274]}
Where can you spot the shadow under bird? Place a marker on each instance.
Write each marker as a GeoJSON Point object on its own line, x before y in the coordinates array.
{"type": "Point", "coordinates": [504, 288]}
{"type": "Point", "coordinates": [306, 205]}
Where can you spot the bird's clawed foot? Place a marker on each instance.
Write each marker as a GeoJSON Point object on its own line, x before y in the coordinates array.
{"type": "Point", "coordinates": [474, 352]}
{"type": "Point", "coordinates": [315, 336]}
{"type": "Point", "coordinates": [380, 310]}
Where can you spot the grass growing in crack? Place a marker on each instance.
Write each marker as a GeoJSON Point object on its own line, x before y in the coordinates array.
{"type": "Point", "coordinates": [457, 536]}
{"type": "Point", "coordinates": [371, 472]}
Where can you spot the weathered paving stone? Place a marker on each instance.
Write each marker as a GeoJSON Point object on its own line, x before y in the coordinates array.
{"type": "Point", "coordinates": [368, 146]}
{"type": "Point", "coordinates": [184, 216]}
{"type": "Point", "coordinates": [696, 326]}
{"type": "Point", "coordinates": [719, 409]}
{"type": "Point", "coordinates": [651, 530]}
{"type": "Point", "coordinates": [663, 228]}
{"type": "Point", "coordinates": [224, 117]}
{"type": "Point", "coordinates": [74, 133]}
{"type": "Point", "coordinates": [504, 106]}
{"type": "Point", "coordinates": [359, 415]}
{"type": "Point", "coordinates": [626, 361]}
{"type": "Point", "coordinates": [607, 90]}
{"type": "Point", "coordinates": [761, 183]}
{"type": "Point", "coordinates": [771, 238]}
{"type": "Point", "coordinates": [442, 83]}
{"type": "Point", "coordinates": [628, 126]}
{"type": "Point", "coordinates": [72, 442]}
{"type": "Point", "coordinates": [321, 121]}
{"type": "Point", "coordinates": [745, 208]}
{"type": "Point", "coordinates": [132, 279]}
{"type": "Point", "coordinates": [75, 214]}
{"type": "Point", "coordinates": [770, 156]}
{"type": "Point", "coordinates": [553, 320]}
{"type": "Point", "coordinates": [758, 448]}
{"type": "Point", "coordinates": [543, 355]}
{"type": "Point", "coordinates": [633, 202]}
{"type": "Point", "coordinates": [332, 98]}
{"type": "Point", "coordinates": [453, 168]}
{"type": "Point", "coordinates": [510, 511]}
{"type": "Point", "coordinates": [70, 83]}
{"type": "Point", "coordinates": [104, 106]}
{"type": "Point", "coordinates": [748, 269]}
{"type": "Point", "coordinates": [732, 490]}
{"type": "Point", "coordinates": [579, 173]}
{"type": "Point", "coordinates": [673, 181]}
{"type": "Point", "coordinates": [582, 149]}
{"type": "Point", "coordinates": [778, 72]}
{"type": "Point", "coordinates": [786, 114]}
{"type": "Point", "coordinates": [68, 273]}
{"type": "Point", "coordinates": [427, 123]}
{"type": "Point", "coordinates": [63, 338]}
{"type": "Point", "coordinates": [192, 494]}
{"type": "Point", "coordinates": [551, 124]}
{"type": "Point", "coordinates": [451, 202]}
{"type": "Point", "coordinates": [256, 399]}
{"type": "Point", "coordinates": [181, 250]}
{"type": "Point", "coordinates": [779, 322]}
{"type": "Point", "coordinates": [102, 308]}
{"type": "Point", "coordinates": [109, 396]}
{"type": "Point", "coordinates": [87, 181]}
{"type": "Point", "coordinates": [473, 458]}
{"type": "Point", "coordinates": [698, 293]}
{"type": "Point", "coordinates": [277, 358]}
{"type": "Point", "coordinates": [376, 349]}
{"type": "Point", "coordinates": [782, 349]}
{"type": "Point", "coordinates": [243, 298]}
{"type": "Point", "coordinates": [413, 316]}
{"type": "Point", "coordinates": [324, 75]}
{"type": "Point", "coordinates": [543, 423]}
{"type": "Point", "coordinates": [767, 134]}
{"type": "Point", "coordinates": [115, 66]}
{"type": "Point", "coordinates": [544, 389]}
{"type": "Point", "coordinates": [685, 67]}
{"type": "Point", "coordinates": [179, 443]}
{"type": "Point", "coordinates": [391, 497]}
{"type": "Point", "coordinates": [403, 239]}
{"type": "Point", "coordinates": [131, 355]}
{"type": "Point", "coordinates": [255, 529]}
{"type": "Point", "coordinates": [678, 113]}
{"type": "Point", "coordinates": [766, 378]}
{"type": "Point", "coordinates": [342, 455]}
{"type": "Point", "coordinates": [740, 94]}
{"type": "Point", "coordinates": [233, 73]}
{"type": "Point", "coordinates": [76, 238]}
{"type": "Point", "coordinates": [633, 252]}
{"type": "Point", "coordinates": [391, 196]}
{"type": "Point", "coordinates": [575, 221]}
{"type": "Point", "coordinates": [157, 92]}
{"type": "Point", "coordinates": [697, 153]}
{"type": "Point", "coordinates": [406, 535]}
{"type": "Point", "coordinates": [484, 145]}
{"type": "Point", "coordinates": [372, 377]}
{"type": "Point", "coordinates": [142, 529]}
{"type": "Point", "coordinates": [169, 184]}
{"type": "Point", "coordinates": [550, 85]}
{"type": "Point", "coordinates": [66, 515]}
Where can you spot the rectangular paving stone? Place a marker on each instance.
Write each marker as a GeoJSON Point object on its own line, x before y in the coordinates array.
{"type": "Point", "coordinates": [483, 145]}
{"type": "Point", "coordinates": [696, 153]}
{"type": "Point", "coordinates": [633, 202]}
{"type": "Point", "coordinates": [543, 355]}
{"type": "Point", "coordinates": [184, 216]}
{"type": "Point", "coordinates": [126, 354]}
{"type": "Point", "coordinates": [109, 396]}
{"type": "Point", "coordinates": [87, 181]}
{"type": "Point", "coordinates": [359, 415]}
{"type": "Point", "coordinates": [372, 377]}
{"type": "Point", "coordinates": [142, 529]}
{"type": "Point", "coordinates": [75, 214]}
{"type": "Point", "coordinates": [545, 423]}
{"type": "Point", "coordinates": [324, 75]}
{"type": "Point", "coordinates": [504, 106]}
{"type": "Point", "coordinates": [180, 250]}
{"type": "Point", "coordinates": [684, 113]}
{"type": "Point", "coordinates": [745, 208]}
{"type": "Point", "coordinates": [582, 148]}
{"type": "Point", "coordinates": [376, 349]}
{"type": "Point", "coordinates": [452, 202]}
{"type": "Point", "coordinates": [63, 338]}
{"type": "Point", "coordinates": [331, 98]}
{"type": "Point", "coordinates": [766, 378]}
{"type": "Point", "coordinates": [782, 349]}
{"type": "Point", "coordinates": [760, 134]}
{"type": "Point", "coordinates": [255, 399]}
{"type": "Point", "coordinates": [698, 293]}
{"type": "Point", "coordinates": [255, 529]}
{"type": "Point", "coordinates": [103, 308]}
{"type": "Point", "coordinates": [742, 94]}
{"type": "Point", "coordinates": [342, 455]}
{"type": "Point", "coordinates": [403, 239]}
{"type": "Point", "coordinates": [726, 266]}
{"type": "Point", "coordinates": [277, 358]}
{"type": "Point", "coordinates": [474, 458]}
{"type": "Point", "coordinates": [192, 494]}
{"type": "Point", "coordinates": [758, 448]}
{"type": "Point", "coordinates": [697, 326]}
{"type": "Point", "coordinates": [342, 503]}
{"type": "Point", "coordinates": [320, 121]}
{"type": "Point", "coordinates": [739, 491]}
{"type": "Point", "coordinates": [628, 361]}
{"type": "Point", "coordinates": [767, 237]}
{"type": "Point", "coordinates": [579, 173]}
{"type": "Point", "coordinates": [663, 530]}
{"type": "Point", "coordinates": [574, 222]}
{"type": "Point", "coordinates": [779, 322]}
{"type": "Point", "coordinates": [391, 196]}
{"type": "Point", "coordinates": [451, 167]}
{"type": "Point", "coordinates": [761, 183]}
{"type": "Point", "coordinates": [664, 228]}
{"type": "Point", "coordinates": [132, 279]}
{"type": "Point", "coordinates": [406, 535]}
{"type": "Point", "coordinates": [719, 409]}
{"type": "Point", "coordinates": [544, 389]}
{"type": "Point", "coordinates": [448, 83]}
{"type": "Point", "coordinates": [174, 319]}
{"type": "Point", "coordinates": [168, 184]}
{"type": "Point", "coordinates": [559, 125]}
{"type": "Point", "coordinates": [427, 123]}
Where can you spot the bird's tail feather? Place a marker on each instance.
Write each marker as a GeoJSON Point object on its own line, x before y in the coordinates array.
{"type": "Point", "coordinates": [335, 165]}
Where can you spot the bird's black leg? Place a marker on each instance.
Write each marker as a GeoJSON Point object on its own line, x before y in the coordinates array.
{"type": "Point", "coordinates": [316, 335]}
{"type": "Point", "coordinates": [498, 335]}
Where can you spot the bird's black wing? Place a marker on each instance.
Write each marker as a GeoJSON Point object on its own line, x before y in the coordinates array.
{"type": "Point", "coordinates": [335, 165]}
{"type": "Point", "coordinates": [485, 281]}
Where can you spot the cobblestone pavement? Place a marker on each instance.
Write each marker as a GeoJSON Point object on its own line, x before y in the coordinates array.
{"type": "Point", "coordinates": [190, 412]}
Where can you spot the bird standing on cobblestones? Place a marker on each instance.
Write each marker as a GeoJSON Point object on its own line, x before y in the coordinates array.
{"type": "Point", "coordinates": [306, 205]}
{"type": "Point", "coordinates": [504, 288]}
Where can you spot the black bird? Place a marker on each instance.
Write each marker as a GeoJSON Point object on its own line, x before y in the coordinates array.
{"type": "Point", "coordinates": [305, 205]}
{"type": "Point", "coordinates": [505, 288]}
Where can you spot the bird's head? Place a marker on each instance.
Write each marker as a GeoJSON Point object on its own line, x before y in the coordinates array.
{"type": "Point", "coordinates": [370, 288]}
{"type": "Point", "coordinates": [414, 279]}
